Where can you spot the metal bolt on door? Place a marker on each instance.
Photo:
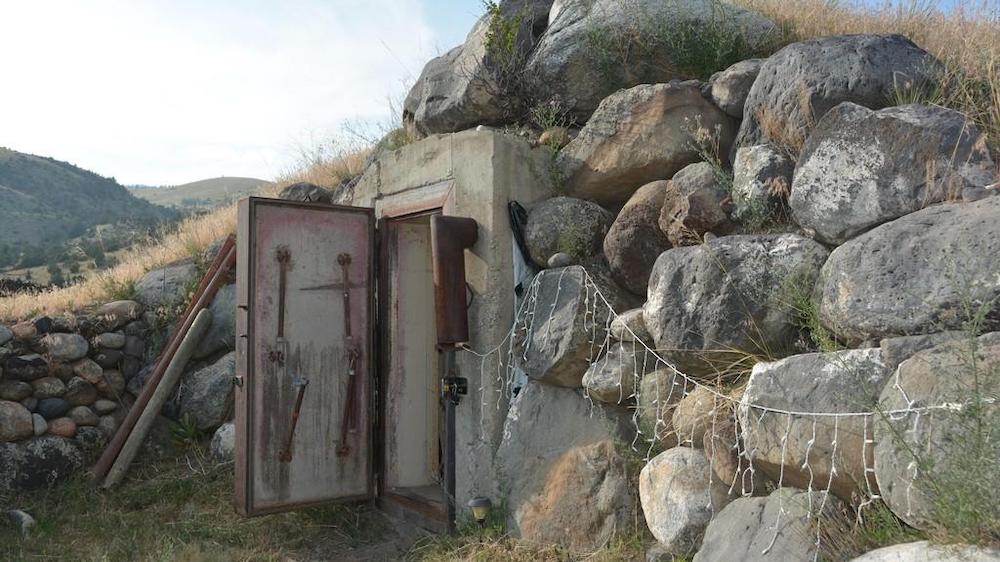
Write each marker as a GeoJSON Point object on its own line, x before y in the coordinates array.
{"type": "Point", "coordinates": [304, 371]}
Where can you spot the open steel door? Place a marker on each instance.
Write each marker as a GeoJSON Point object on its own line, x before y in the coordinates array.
{"type": "Point", "coordinates": [304, 368]}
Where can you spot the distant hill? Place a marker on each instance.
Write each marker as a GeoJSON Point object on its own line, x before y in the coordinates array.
{"type": "Point", "coordinates": [203, 194]}
{"type": "Point", "coordinates": [45, 202]}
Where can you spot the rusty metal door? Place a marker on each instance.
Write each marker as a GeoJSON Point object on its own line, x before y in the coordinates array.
{"type": "Point", "coordinates": [305, 330]}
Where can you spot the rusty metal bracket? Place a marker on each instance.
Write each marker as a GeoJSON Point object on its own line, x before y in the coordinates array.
{"type": "Point", "coordinates": [285, 455]}
{"type": "Point", "coordinates": [348, 424]}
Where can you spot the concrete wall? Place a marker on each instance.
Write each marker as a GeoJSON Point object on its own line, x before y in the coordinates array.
{"type": "Point", "coordinates": [472, 174]}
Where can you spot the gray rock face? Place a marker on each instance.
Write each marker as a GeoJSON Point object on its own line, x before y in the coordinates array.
{"type": "Point", "coordinates": [114, 315]}
{"type": "Point", "coordinates": [39, 425]}
{"type": "Point", "coordinates": [837, 382]}
{"type": "Point", "coordinates": [38, 463]}
{"type": "Point", "coordinates": [104, 407]}
{"type": "Point", "coordinates": [659, 394]}
{"type": "Point", "coordinates": [615, 376]}
{"type": "Point", "coordinates": [80, 392]}
{"type": "Point", "coordinates": [679, 498]}
{"type": "Point", "coordinates": [65, 347]}
{"type": "Point", "coordinates": [25, 367]}
{"type": "Point", "coordinates": [762, 180]}
{"type": "Point", "coordinates": [221, 334]}
{"type": "Point", "coordinates": [82, 416]}
{"type": "Point", "coordinates": [914, 275]}
{"type": "Point", "coordinates": [561, 259]}
{"type": "Point", "coordinates": [861, 168]}
{"type": "Point", "coordinates": [592, 49]}
{"type": "Point", "coordinates": [924, 551]}
{"type": "Point", "coordinates": [569, 225]}
{"type": "Point", "coordinates": [948, 440]}
{"type": "Point", "coordinates": [797, 85]}
{"type": "Point", "coordinates": [744, 529]}
{"type": "Point", "coordinates": [556, 345]}
{"type": "Point", "coordinates": [693, 205]}
{"type": "Point", "coordinates": [14, 390]}
{"type": "Point", "coordinates": [306, 192]}
{"type": "Point", "coordinates": [639, 135]}
{"type": "Point", "coordinates": [51, 408]}
{"type": "Point", "coordinates": [553, 436]}
{"type": "Point", "coordinates": [727, 294]}
{"type": "Point", "coordinates": [635, 239]}
{"type": "Point", "coordinates": [48, 387]}
{"type": "Point", "coordinates": [5, 335]}
{"type": "Point", "coordinates": [897, 350]}
{"type": "Point", "coordinates": [223, 443]}
{"type": "Point", "coordinates": [730, 87]}
{"type": "Point", "coordinates": [15, 422]}
{"type": "Point", "coordinates": [110, 340]}
{"type": "Point", "coordinates": [207, 394]}
{"type": "Point", "coordinates": [165, 287]}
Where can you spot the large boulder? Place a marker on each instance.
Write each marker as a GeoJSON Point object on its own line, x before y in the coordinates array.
{"type": "Point", "coordinates": [556, 346]}
{"type": "Point", "coordinates": [568, 225]}
{"type": "Point", "coordinates": [915, 275]}
{"type": "Point", "coordinates": [614, 377]}
{"type": "Point", "coordinates": [559, 471]}
{"type": "Point", "coordinates": [38, 463]}
{"type": "Point", "coordinates": [805, 449]}
{"type": "Point", "coordinates": [924, 551]}
{"type": "Point", "coordinates": [695, 203]}
{"type": "Point", "coordinates": [635, 239]}
{"type": "Point", "coordinates": [206, 395]}
{"type": "Point", "coordinates": [730, 87]}
{"type": "Point", "coordinates": [762, 180]}
{"type": "Point", "coordinates": [306, 192]}
{"type": "Point", "coordinates": [65, 347]}
{"type": "Point", "coordinates": [797, 85]}
{"type": "Point", "coordinates": [776, 528]}
{"type": "Point", "coordinates": [709, 304]}
{"type": "Point", "coordinates": [679, 497]}
{"type": "Point", "coordinates": [629, 326]}
{"type": "Point", "coordinates": [899, 349]}
{"type": "Point", "coordinates": [642, 134]}
{"type": "Point", "coordinates": [167, 286]}
{"type": "Point", "coordinates": [923, 458]}
{"type": "Point", "coordinates": [221, 335]}
{"type": "Point", "coordinates": [15, 422]}
{"type": "Point", "coordinates": [861, 168]}
{"type": "Point", "coordinates": [592, 49]}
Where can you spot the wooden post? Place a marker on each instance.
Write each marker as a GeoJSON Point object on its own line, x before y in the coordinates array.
{"type": "Point", "coordinates": [173, 374]}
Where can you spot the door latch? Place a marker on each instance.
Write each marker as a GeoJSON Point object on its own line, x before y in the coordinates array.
{"type": "Point", "coordinates": [453, 387]}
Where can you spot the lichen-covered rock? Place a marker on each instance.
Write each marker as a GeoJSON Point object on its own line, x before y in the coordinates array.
{"type": "Point", "coordinates": [65, 347]}
{"type": "Point", "coordinates": [639, 135]}
{"type": "Point", "coordinates": [114, 315]}
{"type": "Point", "coordinates": [14, 390]}
{"type": "Point", "coordinates": [797, 85]}
{"type": "Point", "coordinates": [557, 348]}
{"type": "Point", "coordinates": [915, 275]}
{"type": "Point", "coordinates": [730, 87]}
{"type": "Point", "coordinates": [776, 528]}
{"type": "Point", "coordinates": [39, 463]}
{"type": "Point", "coordinates": [206, 395]}
{"type": "Point", "coordinates": [25, 367]}
{"type": "Point", "coordinates": [221, 335]}
{"type": "Point", "coordinates": [306, 192]}
{"type": "Point", "coordinates": [89, 371]}
{"type": "Point", "coordinates": [112, 384]}
{"type": "Point", "coordinates": [762, 180]}
{"type": "Point", "coordinates": [82, 415]}
{"type": "Point", "coordinates": [165, 287]}
{"type": "Point", "coordinates": [962, 374]}
{"type": "Point", "coordinates": [568, 225]}
{"type": "Point", "coordinates": [80, 392]}
{"type": "Point", "coordinates": [48, 387]}
{"type": "Point", "coordinates": [629, 326]}
{"type": "Point", "coordinates": [693, 205]}
{"type": "Point", "coordinates": [727, 295]}
{"type": "Point", "coordinates": [553, 436]}
{"type": "Point", "coordinates": [90, 440]}
{"type": "Point", "coordinates": [15, 422]}
{"type": "Point", "coordinates": [837, 382]}
{"type": "Point", "coordinates": [861, 168]}
{"type": "Point", "coordinates": [614, 377]}
{"type": "Point", "coordinates": [592, 49]}
{"type": "Point", "coordinates": [223, 443]}
{"type": "Point", "coordinates": [924, 551]}
{"type": "Point", "coordinates": [635, 239]}
{"type": "Point", "coordinates": [679, 498]}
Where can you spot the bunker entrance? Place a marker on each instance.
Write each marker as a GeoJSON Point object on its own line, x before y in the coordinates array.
{"type": "Point", "coordinates": [343, 392]}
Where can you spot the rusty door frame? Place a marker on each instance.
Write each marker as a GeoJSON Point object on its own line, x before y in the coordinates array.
{"type": "Point", "coordinates": [384, 350]}
{"type": "Point", "coordinates": [243, 498]}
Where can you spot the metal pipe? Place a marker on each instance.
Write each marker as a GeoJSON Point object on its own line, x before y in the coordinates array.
{"type": "Point", "coordinates": [450, 401]}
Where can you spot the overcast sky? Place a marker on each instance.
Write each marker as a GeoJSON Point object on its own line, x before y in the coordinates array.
{"type": "Point", "coordinates": [170, 91]}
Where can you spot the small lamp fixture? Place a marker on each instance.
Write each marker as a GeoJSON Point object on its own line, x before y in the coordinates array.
{"type": "Point", "coordinates": [480, 507]}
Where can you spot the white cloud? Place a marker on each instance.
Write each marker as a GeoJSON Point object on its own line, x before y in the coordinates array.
{"type": "Point", "coordinates": [169, 92]}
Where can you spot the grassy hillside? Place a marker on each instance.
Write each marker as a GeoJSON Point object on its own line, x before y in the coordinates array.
{"type": "Point", "coordinates": [203, 194]}
{"type": "Point", "coordinates": [51, 210]}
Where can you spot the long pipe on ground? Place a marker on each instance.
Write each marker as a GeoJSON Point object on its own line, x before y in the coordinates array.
{"type": "Point", "coordinates": [173, 374]}
{"type": "Point", "coordinates": [110, 453]}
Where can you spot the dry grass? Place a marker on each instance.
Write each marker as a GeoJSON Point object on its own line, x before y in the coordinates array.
{"type": "Point", "coordinates": [966, 40]}
{"type": "Point", "coordinates": [327, 165]}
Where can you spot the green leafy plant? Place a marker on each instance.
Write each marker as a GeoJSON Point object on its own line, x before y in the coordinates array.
{"type": "Point", "coordinates": [186, 432]}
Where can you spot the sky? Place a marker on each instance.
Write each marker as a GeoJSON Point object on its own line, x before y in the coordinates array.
{"type": "Point", "coordinates": [171, 91]}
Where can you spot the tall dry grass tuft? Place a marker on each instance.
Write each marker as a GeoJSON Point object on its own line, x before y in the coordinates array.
{"type": "Point", "coordinates": [326, 166]}
{"type": "Point", "coordinates": [966, 39]}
